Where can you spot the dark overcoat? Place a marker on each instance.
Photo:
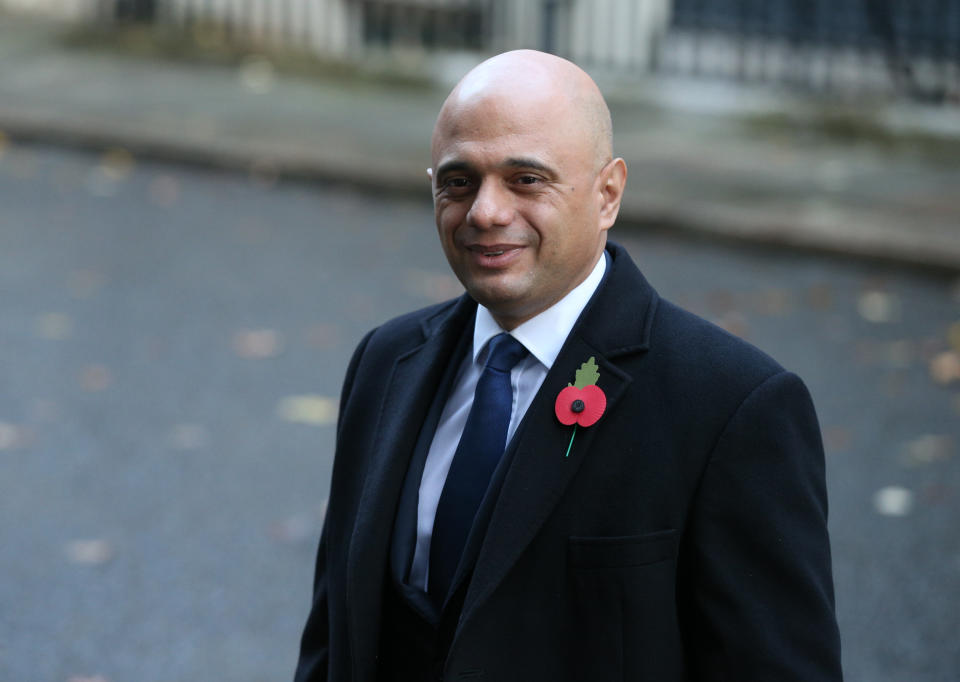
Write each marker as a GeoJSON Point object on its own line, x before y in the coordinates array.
{"type": "Point", "coordinates": [683, 538]}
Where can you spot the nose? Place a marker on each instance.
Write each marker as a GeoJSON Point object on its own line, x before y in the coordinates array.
{"type": "Point", "coordinates": [492, 206]}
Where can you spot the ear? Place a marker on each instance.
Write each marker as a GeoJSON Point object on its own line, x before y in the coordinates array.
{"type": "Point", "coordinates": [612, 180]}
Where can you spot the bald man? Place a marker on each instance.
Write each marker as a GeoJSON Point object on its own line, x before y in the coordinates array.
{"type": "Point", "coordinates": [560, 475]}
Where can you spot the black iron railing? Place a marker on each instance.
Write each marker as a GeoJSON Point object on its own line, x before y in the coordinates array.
{"type": "Point", "coordinates": [910, 46]}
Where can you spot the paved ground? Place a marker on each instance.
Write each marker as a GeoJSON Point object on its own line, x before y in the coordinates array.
{"type": "Point", "coordinates": [171, 344]}
{"type": "Point", "coordinates": [714, 160]}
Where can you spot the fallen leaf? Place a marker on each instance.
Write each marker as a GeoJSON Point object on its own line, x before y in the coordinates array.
{"type": "Point", "coordinates": [316, 410]}
{"type": "Point", "coordinates": [927, 449]}
{"type": "Point", "coordinates": [945, 367]}
{"type": "Point", "coordinates": [879, 307]}
{"type": "Point", "coordinates": [257, 343]}
{"type": "Point", "coordinates": [95, 378]}
{"type": "Point", "coordinates": [188, 437]}
{"type": "Point", "coordinates": [117, 163]}
{"type": "Point", "coordinates": [89, 552]}
{"type": "Point", "coordinates": [893, 501]}
{"type": "Point", "coordinates": [12, 436]}
{"type": "Point", "coordinates": [54, 326]}
{"type": "Point", "coordinates": [836, 438]}
{"type": "Point", "coordinates": [257, 74]}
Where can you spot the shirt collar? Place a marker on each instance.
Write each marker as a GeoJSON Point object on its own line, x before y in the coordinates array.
{"type": "Point", "coordinates": [544, 334]}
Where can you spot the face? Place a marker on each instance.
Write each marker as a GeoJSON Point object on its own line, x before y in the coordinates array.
{"type": "Point", "coordinates": [521, 206]}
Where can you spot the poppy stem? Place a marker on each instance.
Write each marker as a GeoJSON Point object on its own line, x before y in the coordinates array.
{"type": "Point", "coordinates": [571, 440]}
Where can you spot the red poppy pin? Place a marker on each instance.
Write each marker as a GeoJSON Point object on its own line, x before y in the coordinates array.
{"type": "Point", "coordinates": [581, 403]}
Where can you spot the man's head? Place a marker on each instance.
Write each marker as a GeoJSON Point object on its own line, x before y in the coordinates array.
{"type": "Point", "coordinates": [525, 185]}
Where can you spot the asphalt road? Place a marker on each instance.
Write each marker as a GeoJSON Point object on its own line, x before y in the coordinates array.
{"type": "Point", "coordinates": [172, 343]}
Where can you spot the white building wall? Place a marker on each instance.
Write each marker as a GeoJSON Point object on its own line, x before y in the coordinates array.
{"type": "Point", "coordinates": [322, 26]}
{"type": "Point", "coordinates": [617, 33]}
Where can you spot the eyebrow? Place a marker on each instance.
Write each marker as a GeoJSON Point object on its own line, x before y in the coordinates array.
{"type": "Point", "coordinates": [533, 164]}
{"type": "Point", "coordinates": [451, 166]}
{"type": "Point", "coordinates": [512, 162]}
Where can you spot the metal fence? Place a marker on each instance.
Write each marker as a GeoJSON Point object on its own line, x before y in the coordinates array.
{"type": "Point", "coordinates": [910, 47]}
{"type": "Point", "coordinates": [905, 48]}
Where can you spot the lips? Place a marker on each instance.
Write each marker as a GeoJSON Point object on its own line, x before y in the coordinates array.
{"type": "Point", "coordinates": [492, 250]}
{"type": "Point", "coordinates": [494, 256]}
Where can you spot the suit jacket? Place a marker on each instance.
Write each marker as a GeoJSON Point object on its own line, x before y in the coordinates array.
{"type": "Point", "coordinates": [684, 538]}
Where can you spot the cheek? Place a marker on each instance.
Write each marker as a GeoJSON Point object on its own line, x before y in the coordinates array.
{"type": "Point", "coordinates": [449, 217]}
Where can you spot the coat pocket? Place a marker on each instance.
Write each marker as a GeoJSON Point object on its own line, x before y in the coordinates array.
{"type": "Point", "coordinates": [624, 622]}
{"type": "Point", "coordinates": [623, 551]}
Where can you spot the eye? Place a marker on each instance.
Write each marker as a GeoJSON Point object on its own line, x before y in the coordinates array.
{"type": "Point", "coordinates": [456, 184]}
{"type": "Point", "coordinates": [527, 179]}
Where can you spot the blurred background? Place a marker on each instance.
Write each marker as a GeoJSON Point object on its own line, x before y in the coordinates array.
{"type": "Point", "coordinates": [205, 203]}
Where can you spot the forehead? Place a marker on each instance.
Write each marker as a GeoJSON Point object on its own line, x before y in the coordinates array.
{"type": "Point", "coordinates": [496, 125]}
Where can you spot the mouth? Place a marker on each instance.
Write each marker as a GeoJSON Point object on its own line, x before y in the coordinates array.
{"type": "Point", "coordinates": [492, 249]}
{"type": "Point", "coordinates": [494, 255]}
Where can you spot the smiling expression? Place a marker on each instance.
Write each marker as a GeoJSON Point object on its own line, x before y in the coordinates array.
{"type": "Point", "coordinates": [522, 202]}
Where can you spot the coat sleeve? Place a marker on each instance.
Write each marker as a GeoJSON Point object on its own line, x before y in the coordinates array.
{"type": "Point", "coordinates": [762, 589]}
{"type": "Point", "coordinates": [314, 644]}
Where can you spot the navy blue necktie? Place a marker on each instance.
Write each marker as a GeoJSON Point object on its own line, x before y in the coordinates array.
{"type": "Point", "coordinates": [481, 446]}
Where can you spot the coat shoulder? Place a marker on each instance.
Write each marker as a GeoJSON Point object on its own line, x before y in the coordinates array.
{"type": "Point", "coordinates": [694, 349]}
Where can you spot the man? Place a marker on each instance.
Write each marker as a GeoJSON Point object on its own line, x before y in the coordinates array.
{"type": "Point", "coordinates": [662, 519]}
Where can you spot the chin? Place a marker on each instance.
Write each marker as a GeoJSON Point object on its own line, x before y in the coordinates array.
{"type": "Point", "coordinates": [496, 292]}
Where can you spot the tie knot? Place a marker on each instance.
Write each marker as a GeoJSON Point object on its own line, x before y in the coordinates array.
{"type": "Point", "coordinates": [504, 352]}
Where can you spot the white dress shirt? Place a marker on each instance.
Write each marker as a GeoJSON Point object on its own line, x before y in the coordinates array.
{"type": "Point", "coordinates": [543, 336]}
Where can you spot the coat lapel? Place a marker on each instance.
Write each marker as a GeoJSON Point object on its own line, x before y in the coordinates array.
{"type": "Point", "coordinates": [539, 473]}
{"type": "Point", "coordinates": [407, 398]}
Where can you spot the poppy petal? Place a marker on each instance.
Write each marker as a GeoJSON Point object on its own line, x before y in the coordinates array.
{"type": "Point", "coordinates": [564, 405]}
{"type": "Point", "coordinates": [595, 402]}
